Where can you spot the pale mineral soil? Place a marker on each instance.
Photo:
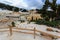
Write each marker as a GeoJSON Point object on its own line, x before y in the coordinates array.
{"type": "Point", "coordinates": [22, 36]}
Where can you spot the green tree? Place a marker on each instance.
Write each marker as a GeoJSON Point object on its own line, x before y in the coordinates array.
{"type": "Point", "coordinates": [58, 11]}
{"type": "Point", "coordinates": [47, 15]}
{"type": "Point", "coordinates": [8, 7]}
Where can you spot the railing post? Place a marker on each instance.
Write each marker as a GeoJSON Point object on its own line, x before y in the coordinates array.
{"type": "Point", "coordinates": [10, 29]}
{"type": "Point", "coordinates": [34, 32]}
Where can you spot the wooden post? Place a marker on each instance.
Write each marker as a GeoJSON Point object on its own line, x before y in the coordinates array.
{"type": "Point", "coordinates": [34, 32]}
{"type": "Point", "coordinates": [40, 34]}
{"type": "Point", "coordinates": [10, 29]}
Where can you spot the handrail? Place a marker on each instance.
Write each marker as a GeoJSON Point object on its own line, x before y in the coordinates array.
{"type": "Point", "coordinates": [44, 33]}
{"type": "Point", "coordinates": [34, 32]}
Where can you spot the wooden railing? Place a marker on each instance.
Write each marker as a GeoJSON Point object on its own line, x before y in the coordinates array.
{"type": "Point", "coordinates": [34, 32]}
{"type": "Point", "coordinates": [39, 31]}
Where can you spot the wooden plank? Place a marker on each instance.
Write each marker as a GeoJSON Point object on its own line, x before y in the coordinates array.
{"type": "Point", "coordinates": [48, 34]}
{"type": "Point", "coordinates": [24, 29]}
{"type": "Point", "coordinates": [26, 32]}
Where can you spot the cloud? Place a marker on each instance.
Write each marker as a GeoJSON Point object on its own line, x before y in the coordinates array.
{"type": "Point", "coordinates": [28, 4]}
{"type": "Point", "coordinates": [58, 1]}
{"type": "Point", "coordinates": [33, 4]}
{"type": "Point", "coordinates": [17, 3]}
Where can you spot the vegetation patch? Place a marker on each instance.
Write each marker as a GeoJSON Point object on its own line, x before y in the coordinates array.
{"type": "Point", "coordinates": [48, 23]}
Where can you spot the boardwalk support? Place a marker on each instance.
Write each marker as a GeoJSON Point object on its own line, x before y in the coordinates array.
{"type": "Point", "coordinates": [34, 32]}
{"type": "Point", "coordinates": [10, 29]}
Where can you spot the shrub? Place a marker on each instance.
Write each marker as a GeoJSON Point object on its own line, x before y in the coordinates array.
{"type": "Point", "coordinates": [48, 23]}
{"type": "Point", "coordinates": [13, 24]}
{"type": "Point", "coordinates": [53, 23]}
{"type": "Point", "coordinates": [22, 21]}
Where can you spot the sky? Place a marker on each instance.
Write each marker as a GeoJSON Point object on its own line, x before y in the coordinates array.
{"type": "Point", "coordinates": [27, 4]}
